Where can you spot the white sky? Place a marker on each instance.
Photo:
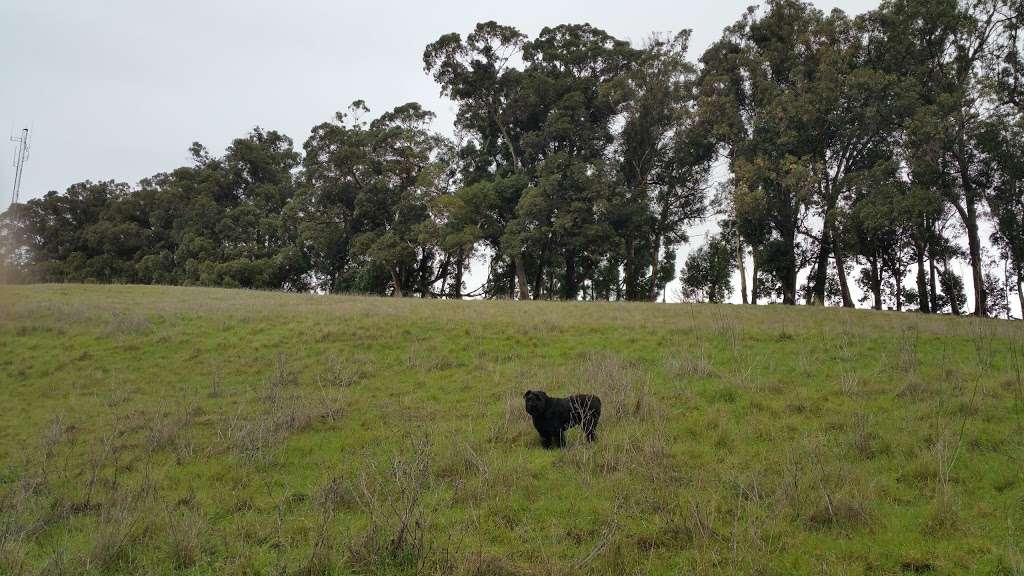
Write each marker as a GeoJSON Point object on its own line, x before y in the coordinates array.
{"type": "Point", "coordinates": [119, 89]}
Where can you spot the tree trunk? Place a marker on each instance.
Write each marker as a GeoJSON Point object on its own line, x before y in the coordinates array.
{"type": "Point", "coordinates": [922, 283]}
{"type": "Point", "coordinates": [458, 277]}
{"type": "Point", "coordinates": [1019, 270]}
{"type": "Point", "coordinates": [571, 289]}
{"type": "Point", "coordinates": [969, 215]}
{"type": "Point", "coordinates": [789, 281]}
{"type": "Point", "coordinates": [661, 225]}
{"type": "Point", "coordinates": [817, 295]}
{"type": "Point", "coordinates": [899, 292]}
{"type": "Point", "coordinates": [933, 290]}
{"type": "Point", "coordinates": [753, 277]}
{"type": "Point", "coordinates": [524, 292]}
{"type": "Point", "coordinates": [1020, 294]}
{"type": "Point", "coordinates": [397, 281]}
{"type": "Point", "coordinates": [876, 284]}
{"type": "Point", "coordinates": [953, 305]}
{"type": "Point", "coordinates": [741, 264]}
{"type": "Point", "coordinates": [423, 271]}
{"type": "Point", "coordinates": [652, 293]}
{"type": "Point", "coordinates": [630, 270]}
{"type": "Point", "coordinates": [538, 281]}
{"type": "Point", "coordinates": [844, 284]}
{"type": "Point", "coordinates": [974, 243]}
{"type": "Point", "coordinates": [443, 275]}
{"type": "Point", "coordinates": [811, 298]}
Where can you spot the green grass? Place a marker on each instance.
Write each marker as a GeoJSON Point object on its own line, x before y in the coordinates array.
{"type": "Point", "coordinates": [152, 430]}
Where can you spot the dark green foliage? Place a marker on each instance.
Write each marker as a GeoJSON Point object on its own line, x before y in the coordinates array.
{"type": "Point", "coordinates": [953, 289]}
{"type": "Point", "coordinates": [222, 222]}
{"type": "Point", "coordinates": [998, 300]}
{"type": "Point", "coordinates": [368, 197]}
{"type": "Point", "coordinates": [1001, 141]}
{"type": "Point", "coordinates": [707, 276]}
{"type": "Point", "coordinates": [759, 80]}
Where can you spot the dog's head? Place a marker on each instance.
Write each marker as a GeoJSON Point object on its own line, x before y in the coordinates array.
{"type": "Point", "coordinates": [536, 401]}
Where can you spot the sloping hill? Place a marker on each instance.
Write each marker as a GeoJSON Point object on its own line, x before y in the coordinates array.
{"type": "Point", "coordinates": [202, 431]}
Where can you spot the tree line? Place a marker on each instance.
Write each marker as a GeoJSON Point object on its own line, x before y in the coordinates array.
{"type": "Point", "coordinates": [861, 150]}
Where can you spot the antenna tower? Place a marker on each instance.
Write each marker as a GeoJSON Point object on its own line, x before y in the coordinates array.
{"type": "Point", "coordinates": [20, 157]}
{"type": "Point", "coordinates": [19, 162]}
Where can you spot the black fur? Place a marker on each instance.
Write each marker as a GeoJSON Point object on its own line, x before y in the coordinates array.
{"type": "Point", "coordinates": [553, 416]}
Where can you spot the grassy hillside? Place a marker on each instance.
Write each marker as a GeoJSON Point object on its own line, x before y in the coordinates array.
{"type": "Point", "coordinates": [197, 431]}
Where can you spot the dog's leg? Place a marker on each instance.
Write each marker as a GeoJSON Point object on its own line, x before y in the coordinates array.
{"type": "Point", "coordinates": [560, 439]}
{"type": "Point", "coordinates": [545, 440]}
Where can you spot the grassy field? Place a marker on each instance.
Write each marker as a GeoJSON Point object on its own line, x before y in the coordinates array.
{"type": "Point", "coordinates": [150, 430]}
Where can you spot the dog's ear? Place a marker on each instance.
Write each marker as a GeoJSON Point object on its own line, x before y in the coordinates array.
{"type": "Point", "coordinates": [527, 395]}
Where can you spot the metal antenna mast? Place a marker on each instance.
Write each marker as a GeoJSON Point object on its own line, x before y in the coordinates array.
{"type": "Point", "coordinates": [19, 162]}
{"type": "Point", "coordinates": [20, 157]}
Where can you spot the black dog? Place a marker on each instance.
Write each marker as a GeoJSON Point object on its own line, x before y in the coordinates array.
{"type": "Point", "coordinates": [553, 416]}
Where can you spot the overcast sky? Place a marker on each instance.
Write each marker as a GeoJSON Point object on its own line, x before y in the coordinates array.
{"type": "Point", "coordinates": [119, 89]}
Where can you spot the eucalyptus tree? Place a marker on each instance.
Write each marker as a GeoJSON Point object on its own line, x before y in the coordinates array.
{"type": "Point", "coordinates": [878, 230]}
{"type": "Point", "coordinates": [665, 159]}
{"type": "Point", "coordinates": [562, 216]}
{"type": "Point", "coordinates": [756, 93]}
{"type": "Point", "coordinates": [335, 167]}
{"type": "Point", "coordinates": [538, 115]}
{"type": "Point", "coordinates": [942, 46]}
{"type": "Point", "coordinates": [73, 237]}
{"type": "Point", "coordinates": [223, 221]}
{"type": "Point", "coordinates": [497, 110]}
{"type": "Point", "coordinates": [976, 22]}
{"type": "Point", "coordinates": [1001, 140]}
{"type": "Point", "coordinates": [860, 107]}
{"type": "Point", "coordinates": [368, 201]}
{"type": "Point", "coordinates": [258, 236]}
{"type": "Point", "coordinates": [707, 273]}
